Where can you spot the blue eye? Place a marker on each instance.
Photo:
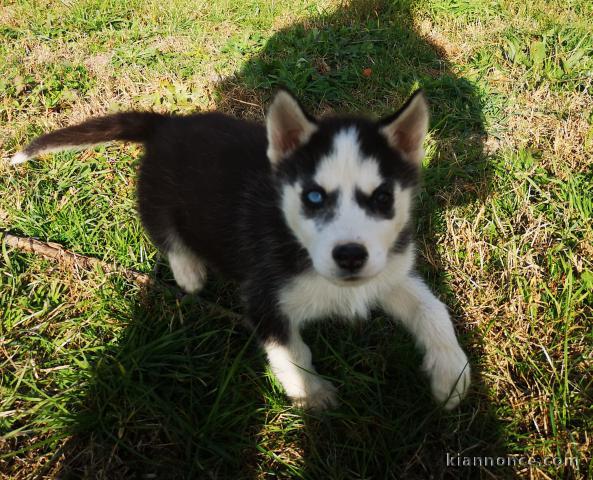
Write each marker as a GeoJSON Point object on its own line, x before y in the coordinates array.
{"type": "Point", "coordinates": [315, 197]}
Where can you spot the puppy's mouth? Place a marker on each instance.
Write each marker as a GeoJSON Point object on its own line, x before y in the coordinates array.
{"type": "Point", "coordinates": [350, 280]}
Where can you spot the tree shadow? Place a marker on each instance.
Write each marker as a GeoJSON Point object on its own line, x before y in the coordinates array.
{"type": "Point", "coordinates": [368, 56]}
{"type": "Point", "coordinates": [178, 399]}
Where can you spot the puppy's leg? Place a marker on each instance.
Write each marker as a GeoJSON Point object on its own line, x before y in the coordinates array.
{"type": "Point", "coordinates": [291, 363]}
{"type": "Point", "coordinates": [189, 271]}
{"type": "Point", "coordinates": [427, 319]}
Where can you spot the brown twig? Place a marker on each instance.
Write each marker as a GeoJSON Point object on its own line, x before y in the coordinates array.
{"type": "Point", "coordinates": [65, 257]}
{"type": "Point", "coordinates": [77, 261]}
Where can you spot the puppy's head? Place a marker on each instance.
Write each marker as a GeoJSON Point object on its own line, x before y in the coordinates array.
{"type": "Point", "coordinates": [347, 183]}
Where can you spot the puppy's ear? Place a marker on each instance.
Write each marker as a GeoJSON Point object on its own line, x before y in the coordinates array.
{"type": "Point", "coordinates": [288, 127]}
{"type": "Point", "coordinates": [405, 131]}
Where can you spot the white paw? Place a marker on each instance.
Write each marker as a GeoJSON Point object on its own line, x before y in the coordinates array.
{"type": "Point", "coordinates": [190, 280]}
{"type": "Point", "coordinates": [319, 394]}
{"type": "Point", "coordinates": [449, 374]}
{"type": "Point", "coordinates": [189, 272]}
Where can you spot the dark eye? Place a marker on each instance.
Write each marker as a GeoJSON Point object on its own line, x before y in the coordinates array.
{"type": "Point", "coordinates": [382, 199]}
{"type": "Point", "coordinates": [314, 198]}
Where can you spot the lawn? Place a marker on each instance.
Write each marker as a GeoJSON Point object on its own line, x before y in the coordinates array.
{"type": "Point", "coordinates": [105, 377]}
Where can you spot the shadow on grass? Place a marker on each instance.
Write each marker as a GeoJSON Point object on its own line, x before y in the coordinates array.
{"type": "Point", "coordinates": [369, 57]}
{"type": "Point", "coordinates": [185, 401]}
{"type": "Point", "coordinates": [176, 397]}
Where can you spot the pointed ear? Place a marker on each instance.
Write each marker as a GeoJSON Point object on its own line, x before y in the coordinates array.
{"type": "Point", "coordinates": [405, 131]}
{"type": "Point", "coordinates": [288, 126]}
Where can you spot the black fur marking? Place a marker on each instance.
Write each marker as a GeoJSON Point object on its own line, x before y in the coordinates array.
{"type": "Point", "coordinates": [392, 165]}
{"type": "Point", "coordinates": [207, 178]}
{"type": "Point", "coordinates": [302, 163]}
{"type": "Point", "coordinates": [374, 205]}
{"type": "Point", "coordinates": [131, 126]}
{"type": "Point", "coordinates": [404, 239]}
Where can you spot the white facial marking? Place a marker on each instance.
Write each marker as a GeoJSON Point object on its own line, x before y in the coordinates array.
{"type": "Point", "coordinates": [346, 167]}
{"type": "Point", "coordinates": [344, 170]}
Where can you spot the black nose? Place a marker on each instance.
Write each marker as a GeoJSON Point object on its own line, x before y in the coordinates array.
{"type": "Point", "coordinates": [350, 256]}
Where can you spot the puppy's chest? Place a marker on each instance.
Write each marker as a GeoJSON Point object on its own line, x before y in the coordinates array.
{"type": "Point", "coordinates": [310, 296]}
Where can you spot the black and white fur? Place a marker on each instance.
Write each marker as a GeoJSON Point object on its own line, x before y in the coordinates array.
{"type": "Point", "coordinates": [311, 217]}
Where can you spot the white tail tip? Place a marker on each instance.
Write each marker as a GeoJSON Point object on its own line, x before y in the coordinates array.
{"type": "Point", "coordinates": [19, 157]}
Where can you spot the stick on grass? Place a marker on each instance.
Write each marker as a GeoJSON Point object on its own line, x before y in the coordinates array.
{"type": "Point", "coordinates": [73, 260]}
{"type": "Point", "coordinates": [65, 257]}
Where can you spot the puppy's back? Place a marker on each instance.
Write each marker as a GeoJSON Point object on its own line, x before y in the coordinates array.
{"type": "Point", "coordinates": [192, 182]}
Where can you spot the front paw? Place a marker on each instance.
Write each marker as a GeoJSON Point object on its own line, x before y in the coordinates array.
{"type": "Point", "coordinates": [319, 394]}
{"type": "Point", "coordinates": [449, 374]}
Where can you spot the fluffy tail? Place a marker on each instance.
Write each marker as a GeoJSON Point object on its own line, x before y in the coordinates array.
{"type": "Point", "coordinates": [130, 126]}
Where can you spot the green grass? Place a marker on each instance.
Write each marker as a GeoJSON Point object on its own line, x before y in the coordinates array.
{"type": "Point", "coordinates": [100, 378]}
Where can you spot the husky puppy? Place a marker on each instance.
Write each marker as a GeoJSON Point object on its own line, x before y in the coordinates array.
{"type": "Point", "coordinates": [312, 217]}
